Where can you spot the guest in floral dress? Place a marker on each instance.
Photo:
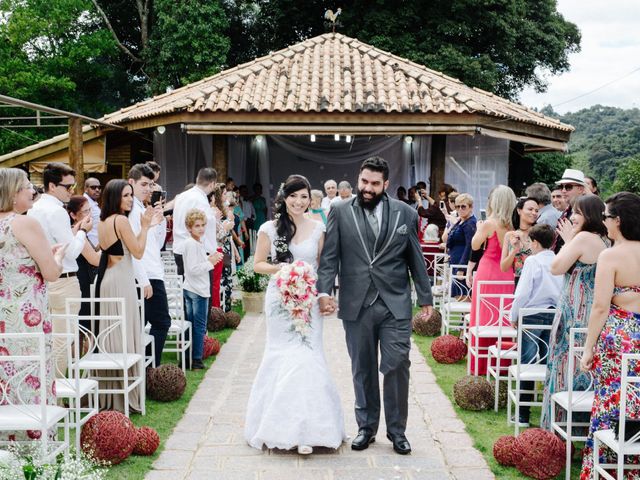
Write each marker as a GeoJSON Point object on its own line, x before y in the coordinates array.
{"type": "Point", "coordinates": [584, 238]}
{"type": "Point", "coordinates": [614, 325]}
{"type": "Point", "coordinates": [26, 261]}
{"type": "Point", "coordinates": [517, 245]}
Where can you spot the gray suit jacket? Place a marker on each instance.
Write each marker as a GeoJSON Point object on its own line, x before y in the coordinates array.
{"type": "Point", "coordinates": [352, 252]}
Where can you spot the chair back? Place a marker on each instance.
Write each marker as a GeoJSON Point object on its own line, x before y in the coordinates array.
{"type": "Point", "coordinates": [103, 326]}
{"type": "Point", "coordinates": [24, 362]}
{"type": "Point", "coordinates": [577, 337]}
{"type": "Point", "coordinates": [629, 393]}
{"type": "Point", "coordinates": [494, 303]}
{"type": "Point", "coordinates": [527, 330]}
{"type": "Point", "coordinates": [455, 278]}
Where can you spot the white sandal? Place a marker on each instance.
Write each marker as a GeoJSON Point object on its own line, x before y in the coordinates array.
{"type": "Point", "coordinates": [305, 450]}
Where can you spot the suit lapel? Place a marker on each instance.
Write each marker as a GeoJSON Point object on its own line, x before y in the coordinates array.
{"type": "Point", "coordinates": [360, 224]}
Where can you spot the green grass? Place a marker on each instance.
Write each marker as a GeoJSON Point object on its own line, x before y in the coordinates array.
{"type": "Point", "coordinates": [163, 417]}
{"type": "Point", "coordinates": [484, 427]}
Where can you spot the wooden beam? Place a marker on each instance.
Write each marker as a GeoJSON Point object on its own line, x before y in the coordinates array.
{"type": "Point", "coordinates": [76, 160]}
{"type": "Point", "coordinates": [438, 150]}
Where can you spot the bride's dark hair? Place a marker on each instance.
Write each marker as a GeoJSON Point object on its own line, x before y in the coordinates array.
{"type": "Point", "coordinates": [285, 228]}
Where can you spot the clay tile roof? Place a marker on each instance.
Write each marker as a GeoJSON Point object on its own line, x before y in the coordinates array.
{"type": "Point", "coordinates": [332, 73]}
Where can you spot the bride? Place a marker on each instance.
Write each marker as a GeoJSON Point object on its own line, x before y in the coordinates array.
{"type": "Point", "coordinates": [294, 401]}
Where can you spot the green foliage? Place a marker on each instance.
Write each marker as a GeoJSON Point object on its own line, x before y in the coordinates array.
{"type": "Point", "coordinates": [497, 45]}
{"type": "Point", "coordinates": [628, 176]}
{"type": "Point", "coordinates": [188, 42]}
{"type": "Point", "coordinates": [549, 167]}
{"type": "Point", "coordinates": [249, 280]}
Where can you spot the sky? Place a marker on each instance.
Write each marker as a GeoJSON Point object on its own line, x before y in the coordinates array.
{"type": "Point", "coordinates": [610, 51]}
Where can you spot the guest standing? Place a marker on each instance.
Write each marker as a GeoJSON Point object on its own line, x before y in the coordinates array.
{"type": "Point", "coordinates": [585, 238]}
{"type": "Point", "coordinates": [221, 280]}
{"type": "Point", "coordinates": [572, 186]}
{"type": "Point", "coordinates": [197, 265]}
{"type": "Point", "coordinates": [331, 189]}
{"type": "Point", "coordinates": [92, 192]}
{"type": "Point", "coordinates": [502, 201]}
{"type": "Point", "coordinates": [116, 279]}
{"type": "Point", "coordinates": [49, 211]}
{"type": "Point", "coordinates": [316, 212]}
{"type": "Point", "coordinates": [614, 324]}
{"type": "Point", "coordinates": [547, 214]}
{"type": "Point", "coordinates": [517, 244]}
{"type": "Point", "coordinates": [458, 239]}
{"type": "Point", "coordinates": [26, 261]}
{"type": "Point", "coordinates": [259, 206]}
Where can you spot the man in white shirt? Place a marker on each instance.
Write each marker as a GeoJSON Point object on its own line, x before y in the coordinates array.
{"type": "Point", "coordinates": [59, 182]}
{"type": "Point", "coordinates": [149, 270]}
{"type": "Point", "coordinates": [345, 192]}
{"type": "Point", "coordinates": [331, 189]}
{"type": "Point", "coordinates": [537, 288]}
{"type": "Point", "coordinates": [195, 197]}
{"type": "Point", "coordinates": [92, 192]}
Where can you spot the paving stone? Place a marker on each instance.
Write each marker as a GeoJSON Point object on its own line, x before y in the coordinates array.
{"type": "Point", "coordinates": [183, 441]}
{"type": "Point", "coordinates": [173, 460]}
{"type": "Point", "coordinates": [223, 475]}
{"type": "Point", "coordinates": [296, 474]}
{"type": "Point", "coordinates": [166, 475]}
{"type": "Point", "coordinates": [370, 474]}
{"type": "Point", "coordinates": [463, 457]}
{"type": "Point", "coordinates": [472, 474]}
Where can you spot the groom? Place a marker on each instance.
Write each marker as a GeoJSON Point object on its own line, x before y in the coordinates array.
{"type": "Point", "coordinates": [372, 244]}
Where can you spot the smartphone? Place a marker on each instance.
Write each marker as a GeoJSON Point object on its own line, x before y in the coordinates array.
{"type": "Point", "coordinates": [442, 205]}
{"type": "Point", "coordinates": [483, 214]}
{"type": "Point", "coordinates": [157, 195]}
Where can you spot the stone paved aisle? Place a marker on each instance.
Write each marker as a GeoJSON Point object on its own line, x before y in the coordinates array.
{"type": "Point", "coordinates": [208, 443]}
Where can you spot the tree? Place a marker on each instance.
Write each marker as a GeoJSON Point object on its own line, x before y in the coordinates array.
{"type": "Point", "coordinates": [628, 177]}
{"type": "Point", "coordinates": [549, 167]}
{"type": "Point", "coordinates": [496, 45]}
{"type": "Point", "coordinates": [168, 43]}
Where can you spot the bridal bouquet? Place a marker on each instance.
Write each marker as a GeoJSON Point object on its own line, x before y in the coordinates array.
{"type": "Point", "coordinates": [296, 283]}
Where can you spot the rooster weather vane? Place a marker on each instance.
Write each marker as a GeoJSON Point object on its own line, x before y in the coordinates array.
{"type": "Point", "coordinates": [332, 19]}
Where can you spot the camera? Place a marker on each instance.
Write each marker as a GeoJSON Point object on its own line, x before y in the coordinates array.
{"type": "Point", "coordinates": [157, 195]}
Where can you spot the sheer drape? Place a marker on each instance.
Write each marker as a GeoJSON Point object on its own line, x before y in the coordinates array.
{"type": "Point", "coordinates": [476, 164]}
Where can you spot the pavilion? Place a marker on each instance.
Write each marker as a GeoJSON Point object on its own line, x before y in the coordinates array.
{"type": "Point", "coordinates": [318, 108]}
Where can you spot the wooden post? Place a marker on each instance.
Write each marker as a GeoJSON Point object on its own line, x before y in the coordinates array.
{"type": "Point", "coordinates": [76, 159]}
{"type": "Point", "coordinates": [220, 156]}
{"type": "Point", "coordinates": [438, 150]}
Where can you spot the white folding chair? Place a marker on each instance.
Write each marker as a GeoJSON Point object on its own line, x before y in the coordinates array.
{"type": "Point", "coordinates": [572, 401]}
{"type": "Point", "coordinates": [533, 371]}
{"type": "Point", "coordinates": [454, 310]}
{"type": "Point", "coordinates": [148, 340]}
{"type": "Point", "coordinates": [253, 239]}
{"type": "Point", "coordinates": [102, 362]}
{"type": "Point", "coordinates": [497, 326]}
{"type": "Point", "coordinates": [436, 266]}
{"type": "Point", "coordinates": [621, 446]}
{"type": "Point", "coordinates": [501, 352]}
{"type": "Point", "coordinates": [179, 334]}
{"type": "Point", "coordinates": [70, 385]}
{"type": "Point", "coordinates": [26, 361]}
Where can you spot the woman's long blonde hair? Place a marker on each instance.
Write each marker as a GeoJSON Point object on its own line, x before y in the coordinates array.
{"type": "Point", "coordinates": [11, 181]}
{"type": "Point", "coordinates": [502, 201]}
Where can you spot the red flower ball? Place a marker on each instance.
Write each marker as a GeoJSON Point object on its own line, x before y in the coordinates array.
{"type": "Point", "coordinates": [108, 437]}
{"type": "Point", "coordinates": [539, 454]}
{"type": "Point", "coordinates": [211, 347]}
{"type": "Point", "coordinates": [448, 349]}
{"type": "Point", "coordinates": [147, 441]}
{"type": "Point", "coordinates": [503, 450]}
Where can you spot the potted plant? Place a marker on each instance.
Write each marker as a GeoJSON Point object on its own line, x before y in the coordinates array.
{"type": "Point", "coordinates": [253, 286]}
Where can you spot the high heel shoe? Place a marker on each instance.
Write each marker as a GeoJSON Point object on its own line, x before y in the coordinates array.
{"type": "Point", "coordinates": [305, 450]}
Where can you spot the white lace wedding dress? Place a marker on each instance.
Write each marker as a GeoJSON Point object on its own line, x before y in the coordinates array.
{"type": "Point", "coordinates": [294, 401]}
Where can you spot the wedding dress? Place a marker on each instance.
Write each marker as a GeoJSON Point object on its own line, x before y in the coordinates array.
{"type": "Point", "coordinates": [294, 400]}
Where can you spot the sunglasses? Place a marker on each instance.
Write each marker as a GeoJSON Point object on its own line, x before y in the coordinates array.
{"type": "Point", "coordinates": [567, 187]}
{"type": "Point", "coordinates": [95, 187]}
{"type": "Point", "coordinates": [68, 186]}
{"type": "Point", "coordinates": [462, 207]}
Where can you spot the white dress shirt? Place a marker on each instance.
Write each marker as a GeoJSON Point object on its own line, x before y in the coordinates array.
{"type": "Point", "coordinates": [326, 203]}
{"type": "Point", "coordinates": [196, 268]}
{"type": "Point", "coordinates": [537, 288]}
{"type": "Point", "coordinates": [95, 216]}
{"type": "Point", "coordinates": [337, 199]}
{"type": "Point", "coordinates": [193, 198]}
{"type": "Point", "coordinates": [55, 221]}
{"type": "Point", "coordinates": [150, 266]}
{"type": "Point", "coordinates": [247, 209]}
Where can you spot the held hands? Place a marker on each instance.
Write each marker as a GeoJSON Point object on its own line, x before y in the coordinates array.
{"type": "Point", "coordinates": [327, 305]}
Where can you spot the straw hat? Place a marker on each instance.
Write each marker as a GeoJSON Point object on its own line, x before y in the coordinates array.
{"type": "Point", "coordinates": [572, 176]}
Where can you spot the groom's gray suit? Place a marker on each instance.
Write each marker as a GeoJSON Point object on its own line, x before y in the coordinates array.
{"type": "Point", "coordinates": [375, 301]}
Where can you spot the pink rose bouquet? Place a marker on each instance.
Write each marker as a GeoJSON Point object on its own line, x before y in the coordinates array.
{"type": "Point", "coordinates": [296, 283]}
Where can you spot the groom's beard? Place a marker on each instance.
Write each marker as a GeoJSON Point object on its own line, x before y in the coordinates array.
{"type": "Point", "coordinates": [371, 203]}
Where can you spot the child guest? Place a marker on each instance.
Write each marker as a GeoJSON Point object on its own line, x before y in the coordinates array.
{"type": "Point", "coordinates": [197, 291]}
{"type": "Point", "coordinates": [537, 288]}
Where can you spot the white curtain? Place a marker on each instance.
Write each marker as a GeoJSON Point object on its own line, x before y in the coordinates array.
{"type": "Point", "coordinates": [475, 164]}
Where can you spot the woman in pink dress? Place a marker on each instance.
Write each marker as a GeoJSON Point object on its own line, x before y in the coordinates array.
{"type": "Point", "coordinates": [491, 233]}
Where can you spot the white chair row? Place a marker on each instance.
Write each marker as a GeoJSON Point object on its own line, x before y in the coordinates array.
{"type": "Point", "coordinates": [456, 303]}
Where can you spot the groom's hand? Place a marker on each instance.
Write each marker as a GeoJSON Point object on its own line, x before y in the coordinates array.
{"type": "Point", "coordinates": [427, 310]}
{"type": "Point", "coordinates": [327, 305]}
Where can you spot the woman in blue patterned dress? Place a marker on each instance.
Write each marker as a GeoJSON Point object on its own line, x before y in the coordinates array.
{"type": "Point", "coordinates": [614, 324]}
{"type": "Point", "coordinates": [585, 238]}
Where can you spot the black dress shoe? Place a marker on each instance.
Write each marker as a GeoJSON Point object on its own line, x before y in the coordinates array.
{"type": "Point", "coordinates": [197, 365]}
{"type": "Point", "coordinates": [362, 440]}
{"type": "Point", "coordinates": [400, 444]}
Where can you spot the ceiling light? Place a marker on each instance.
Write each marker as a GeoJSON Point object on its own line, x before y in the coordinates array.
{"type": "Point", "coordinates": [259, 138]}
{"type": "Point", "coordinates": [161, 129]}
{"type": "Point", "coordinates": [336, 137]}
{"type": "Point", "coordinates": [347, 138]}
{"type": "Point", "coordinates": [408, 139]}
{"type": "Point", "coordinates": [313, 138]}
